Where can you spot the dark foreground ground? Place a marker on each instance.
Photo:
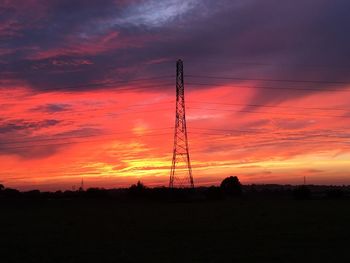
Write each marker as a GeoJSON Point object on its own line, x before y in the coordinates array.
{"type": "Point", "coordinates": [221, 231]}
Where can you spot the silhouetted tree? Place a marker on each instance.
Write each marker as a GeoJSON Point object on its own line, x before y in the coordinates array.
{"type": "Point", "coordinates": [139, 186]}
{"type": "Point", "coordinates": [2, 187]}
{"type": "Point", "coordinates": [231, 186]}
{"type": "Point", "coordinates": [9, 192]}
{"type": "Point", "coordinates": [137, 189]}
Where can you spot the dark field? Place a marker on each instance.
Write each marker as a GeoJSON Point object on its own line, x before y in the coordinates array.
{"type": "Point", "coordinates": [223, 231]}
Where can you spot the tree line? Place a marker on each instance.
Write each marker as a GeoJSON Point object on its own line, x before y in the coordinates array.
{"type": "Point", "coordinates": [229, 188]}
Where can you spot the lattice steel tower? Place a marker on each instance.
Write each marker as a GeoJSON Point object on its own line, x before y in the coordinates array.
{"type": "Point", "coordinates": [181, 171]}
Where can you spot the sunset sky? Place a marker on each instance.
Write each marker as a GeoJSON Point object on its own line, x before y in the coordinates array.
{"type": "Point", "coordinates": [87, 89]}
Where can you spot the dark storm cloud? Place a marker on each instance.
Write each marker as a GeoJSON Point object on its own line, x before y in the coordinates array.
{"type": "Point", "coordinates": [71, 43]}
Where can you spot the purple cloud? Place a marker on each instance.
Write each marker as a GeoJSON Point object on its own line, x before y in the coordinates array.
{"type": "Point", "coordinates": [76, 42]}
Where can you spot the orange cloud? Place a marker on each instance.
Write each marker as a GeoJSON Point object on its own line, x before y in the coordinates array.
{"type": "Point", "coordinates": [113, 138]}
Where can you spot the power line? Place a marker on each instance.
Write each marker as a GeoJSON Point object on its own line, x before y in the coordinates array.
{"type": "Point", "coordinates": [255, 144]}
{"type": "Point", "coordinates": [35, 92]}
{"type": "Point", "coordinates": [215, 109]}
{"type": "Point", "coordinates": [229, 110]}
{"type": "Point", "coordinates": [156, 129]}
{"type": "Point", "coordinates": [97, 84]}
{"type": "Point", "coordinates": [269, 80]}
{"type": "Point", "coordinates": [269, 143]}
{"type": "Point", "coordinates": [197, 102]}
{"type": "Point", "coordinates": [296, 136]}
{"type": "Point", "coordinates": [274, 141]}
{"type": "Point", "coordinates": [246, 146]}
{"type": "Point", "coordinates": [126, 111]}
{"type": "Point", "coordinates": [271, 106]}
{"type": "Point", "coordinates": [92, 109]}
{"type": "Point", "coordinates": [268, 87]}
{"type": "Point", "coordinates": [323, 133]}
{"type": "Point", "coordinates": [257, 63]}
{"type": "Point", "coordinates": [64, 143]}
{"type": "Point", "coordinates": [264, 131]}
{"type": "Point", "coordinates": [266, 112]}
{"type": "Point", "coordinates": [76, 136]}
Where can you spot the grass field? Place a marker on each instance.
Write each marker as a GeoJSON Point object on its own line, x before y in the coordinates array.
{"type": "Point", "coordinates": [223, 231]}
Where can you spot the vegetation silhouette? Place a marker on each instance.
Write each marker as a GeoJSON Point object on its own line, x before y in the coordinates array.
{"type": "Point", "coordinates": [137, 189]}
{"type": "Point", "coordinates": [335, 193]}
{"type": "Point", "coordinates": [97, 221]}
{"type": "Point", "coordinates": [231, 186]}
{"type": "Point", "coordinates": [33, 194]}
{"type": "Point", "coordinates": [213, 193]}
{"type": "Point", "coordinates": [302, 193]}
{"type": "Point", "coordinates": [94, 193]}
{"type": "Point", "coordinates": [10, 193]}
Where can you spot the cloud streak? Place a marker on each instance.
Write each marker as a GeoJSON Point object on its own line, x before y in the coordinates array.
{"type": "Point", "coordinates": [67, 67]}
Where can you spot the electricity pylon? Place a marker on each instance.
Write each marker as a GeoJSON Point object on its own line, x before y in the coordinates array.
{"type": "Point", "coordinates": [181, 170]}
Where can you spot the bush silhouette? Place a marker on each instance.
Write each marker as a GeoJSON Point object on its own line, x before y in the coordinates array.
{"type": "Point", "coordinates": [139, 186]}
{"type": "Point", "coordinates": [9, 192]}
{"type": "Point", "coordinates": [2, 187]}
{"type": "Point", "coordinates": [231, 186]}
{"type": "Point", "coordinates": [137, 189]}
